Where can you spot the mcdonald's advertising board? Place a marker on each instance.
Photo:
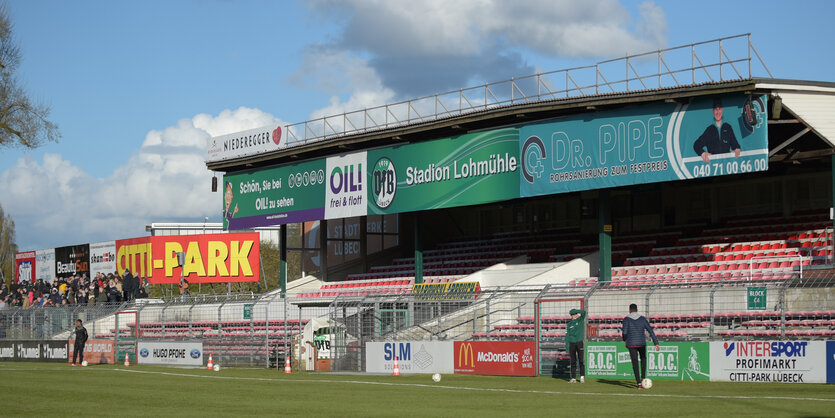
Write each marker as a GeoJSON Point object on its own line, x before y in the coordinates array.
{"type": "Point", "coordinates": [497, 358]}
{"type": "Point", "coordinates": [210, 258]}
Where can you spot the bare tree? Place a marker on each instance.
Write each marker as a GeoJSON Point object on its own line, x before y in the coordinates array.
{"type": "Point", "coordinates": [22, 121]}
{"type": "Point", "coordinates": [8, 248]}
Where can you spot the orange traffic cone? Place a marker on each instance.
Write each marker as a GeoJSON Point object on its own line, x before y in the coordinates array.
{"type": "Point", "coordinates": [127, 362]}
{"type": "Point", "coordinates": [396, 368]}
{"type": "Point", "coordinates": [287, 368]}
{"type": "Point", "coordinates": [210, 365]}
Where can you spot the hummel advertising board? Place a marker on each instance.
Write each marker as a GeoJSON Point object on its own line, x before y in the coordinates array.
{"type": "Point", "coordinates": [412, 357]}
{"type": "Point", "coordinates": [35, 350]}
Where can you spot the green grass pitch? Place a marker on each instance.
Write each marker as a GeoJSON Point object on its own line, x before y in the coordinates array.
{"type": "Point", "coordinates": [50, 389]}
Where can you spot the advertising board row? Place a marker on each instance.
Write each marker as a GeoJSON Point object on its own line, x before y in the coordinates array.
{"type": "Point", "coordinates": [726, 361]}
{"type": "Point", "coordinates": [710, 136]}
{"type": "Point", "coordinates": [177, 353]}
{"type": "Point", "coordinates": [499, 358]}
{"type": "Point", "coordinates": [209, 258]}
{"type": "Point", "coordinates": [33, 350]}
{"type": "Point", "coordinates": [101, 351]}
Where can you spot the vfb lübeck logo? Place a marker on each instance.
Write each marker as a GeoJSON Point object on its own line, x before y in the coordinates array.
{"type": "Point", "coordinates": [385, 182]}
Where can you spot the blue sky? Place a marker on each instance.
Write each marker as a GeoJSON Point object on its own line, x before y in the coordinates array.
{"type": "Point", "coordinates": [137, 87]}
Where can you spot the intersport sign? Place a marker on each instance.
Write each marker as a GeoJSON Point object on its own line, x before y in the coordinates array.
{"type": "Point", "coordinates": [498, 358]}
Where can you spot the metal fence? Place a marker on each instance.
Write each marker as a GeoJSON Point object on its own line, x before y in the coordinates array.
{"type": "Point", "coordinates": [749, 309]}
{"type": "Point", "coordinates": [259, 330]}
{"type": "Point", "coordinates": [238, 329]}
{"type": "Point", "coordinates": [722, 59]}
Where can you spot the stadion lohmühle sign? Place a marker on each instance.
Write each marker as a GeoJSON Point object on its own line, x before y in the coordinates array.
{"type": "Point", "coordinates": [209, 258]}
{"type": "Point", "coordinates": [500, 358]}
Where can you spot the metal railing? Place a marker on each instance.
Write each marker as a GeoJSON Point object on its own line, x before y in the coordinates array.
{"type": "Point", "coordinates": [795, 308]}
{"type": "Point", "coordinates": [722, 59]}
{"type": "Point", "coordinates": [259, 330]}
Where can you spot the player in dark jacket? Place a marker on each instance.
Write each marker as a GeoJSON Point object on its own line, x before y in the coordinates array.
{"type": "Point", "coordinates": [574, 343]}
{"type": "Point", "coordinates": [718, 137]}
{"type": "Point", "coordinates": [633, 329]}
{"type": "Point", "coordinates": [80, 340]}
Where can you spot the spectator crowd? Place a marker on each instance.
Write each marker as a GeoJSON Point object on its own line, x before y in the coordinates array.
{"type": "Point", "coordinates": [74, 290]}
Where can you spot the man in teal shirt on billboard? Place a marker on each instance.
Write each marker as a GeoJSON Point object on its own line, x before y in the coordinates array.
{"type": "Point", "coordinates": [718, 137]}
{"type": "Point", "coordinates": [574, 335]}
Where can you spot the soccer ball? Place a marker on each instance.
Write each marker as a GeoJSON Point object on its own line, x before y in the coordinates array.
{"type": "Point", "coordinates": [436, 377]}
{"type": "Point", "coordinates": [217, 367]}
{"type": "Point", "coordinates": [84, 363]}
{"type": "Point", "coordinates": [646, 383]}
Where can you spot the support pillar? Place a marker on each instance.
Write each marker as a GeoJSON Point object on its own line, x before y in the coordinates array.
{"type": "Point", "coordinates": [604, 209]}
{"type": "Point", "coordinates": [418, 252]}
{"type": "Point", "coordinates": [832, 209]}
{"type": "Point", "coordinates": [282, 265]}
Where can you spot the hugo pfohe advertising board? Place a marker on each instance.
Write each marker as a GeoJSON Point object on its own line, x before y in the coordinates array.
{"type": "Point", "coordinates": [769, 361]}
{"type": "Point", "coordinates": [412, 357]}
{"type": "Point", "coordinates": [180, 353]}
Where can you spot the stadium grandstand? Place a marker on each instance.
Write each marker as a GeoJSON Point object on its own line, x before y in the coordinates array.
{"type": "Point", "coordinates": [718, 244]}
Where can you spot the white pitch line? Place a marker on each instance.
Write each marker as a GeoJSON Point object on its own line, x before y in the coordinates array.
{"type": "Point", "coordinates": [432, 386]}
{"type": "Point", "coordinates": [435, 386]}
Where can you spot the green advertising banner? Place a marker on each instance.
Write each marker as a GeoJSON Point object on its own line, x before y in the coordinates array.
{"type": "Point", "coordinates": [654, 142]}
{"type": "Point", "coordinates": [464, 170]}
{"type": "Point", "coordinates": [274, 196]}
{"type": "Point", "coordinates": [675, 361]}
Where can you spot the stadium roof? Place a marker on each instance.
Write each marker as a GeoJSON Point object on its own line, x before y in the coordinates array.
{"type": "Point", "coordinates": [808, 103]}
{"type": "Point", "coordinates": [676, 74]}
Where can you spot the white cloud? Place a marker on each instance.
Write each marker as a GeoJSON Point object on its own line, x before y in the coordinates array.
{"type": "Point", "coordinates": [571, 28]}
{"type": "Point", "coordinates": [340, 72]}
{"type": "Point", "coordinates": [430, 46]}
{"type": "Point", "coordinates": [55, 203]}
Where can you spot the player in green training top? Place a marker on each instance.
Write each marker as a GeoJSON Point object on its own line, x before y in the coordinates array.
{"type": "Point", "coordinates": [574, 334]}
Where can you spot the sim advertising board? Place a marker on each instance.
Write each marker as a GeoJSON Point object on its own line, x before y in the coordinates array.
{"type": "Point", "coordinates": [210, 258]}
